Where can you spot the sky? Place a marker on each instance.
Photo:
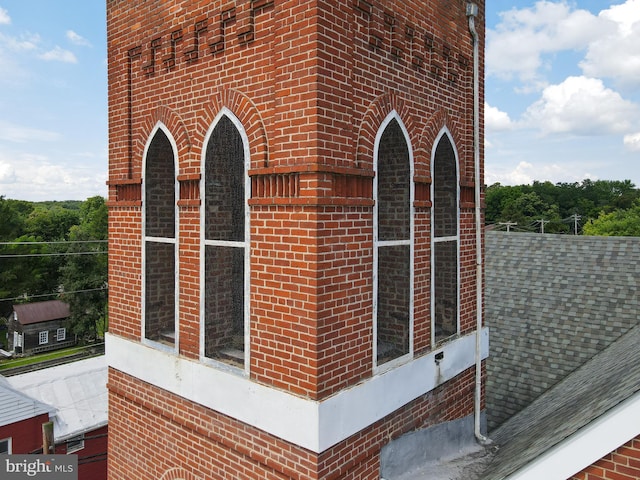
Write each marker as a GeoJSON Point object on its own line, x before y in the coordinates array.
{"type": "Point", "coordinates": [562, 93]}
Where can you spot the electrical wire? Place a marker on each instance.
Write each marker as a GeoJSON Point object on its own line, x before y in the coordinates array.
{"type": "Point", "coordinates": [61, 254]}
{"type": "Point", "coordinates": [54, 294]}
{"type": "Point", "coordinates": [54, 242]}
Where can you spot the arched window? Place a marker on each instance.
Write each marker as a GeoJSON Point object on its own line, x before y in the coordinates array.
{"type": "Point", "coordinates": [446, 239]}
{"type": "Point", "coordinates": [226, 242]}
{"type": "Point", "coordinates": [159, 255]}
{"type": "Point", "coordinates": [393, 244]}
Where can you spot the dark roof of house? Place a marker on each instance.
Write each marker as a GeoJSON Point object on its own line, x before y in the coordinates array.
{"type": "Point", "coordinates": [28, 313]}
{"type": "Point", "coordinates": [552, 303]}
{"type": "Point", "coordinates": [602, 383]}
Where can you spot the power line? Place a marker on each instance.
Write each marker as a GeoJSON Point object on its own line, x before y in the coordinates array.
{"type": "Point", "coordinates": [61, 254]}
{"type": "Point", "coordinates": [54, 242]}
{"type": "Point", "coordinates": [23, 297]}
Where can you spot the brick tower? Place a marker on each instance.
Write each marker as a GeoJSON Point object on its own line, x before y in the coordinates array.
{"type": "Point", "coordinates": [293, 243]}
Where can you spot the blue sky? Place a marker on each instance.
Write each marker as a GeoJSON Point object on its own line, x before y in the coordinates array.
{"type": "Point", "coordinates": [562, 91]}
{"type": "Point", "coordinates": [53, 99]}
{"type": "Point", "coordinates": [562, 94]}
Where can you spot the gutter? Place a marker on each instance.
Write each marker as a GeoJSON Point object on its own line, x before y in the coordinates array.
{"type": "Point", "coordinates": [472, 12]}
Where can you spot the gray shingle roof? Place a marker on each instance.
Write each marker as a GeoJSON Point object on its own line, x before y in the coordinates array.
{"type": "Point", "coordinates": [552, 303]}
{"type": "Point", "coordinates": [601, 384]}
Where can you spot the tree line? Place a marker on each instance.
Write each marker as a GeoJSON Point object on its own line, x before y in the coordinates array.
{"type": "Point", "coordinates": [601, 207]}
{"type": "Point", "coordinates": [56, 250]}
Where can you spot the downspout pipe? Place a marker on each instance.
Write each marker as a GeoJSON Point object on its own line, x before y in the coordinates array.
{"type": "Point", "coordinates": [472, 12]}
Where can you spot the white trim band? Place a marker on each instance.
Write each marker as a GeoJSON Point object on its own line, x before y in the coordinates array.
{"type": "Point", "coordinates": [310, 424]}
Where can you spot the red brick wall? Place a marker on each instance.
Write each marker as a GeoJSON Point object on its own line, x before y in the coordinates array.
{"type": "Point", "coordinates": [320, 116]}
{"type": "Point", "coordinates": [209, 445]}
{"type": "Point", "coordinates": [311, 82]}
{"type": "Point", "coordinates": [621, 464]}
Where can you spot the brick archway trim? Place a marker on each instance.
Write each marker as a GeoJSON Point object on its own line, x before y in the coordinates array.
{"type": "Point", "coordinates": [248, 114]}
{"type": "Point", "coordinates": [432, 128]}
{"type": "Point", "coordinates": [178, 473]}
{"type": "Point", "coordinates": [373, 118]}
{"type": "Point", "coordinates": [174, 124]}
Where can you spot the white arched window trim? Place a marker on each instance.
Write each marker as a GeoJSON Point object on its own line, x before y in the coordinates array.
{"type": "Point", "coordinates": [246, 244]}
{"type": "Point", "coordinates": [393, 115]}
{"type": "Point", "coordinates": [161, 126]}
{"type": "Point", "coordinates": [445, 132]}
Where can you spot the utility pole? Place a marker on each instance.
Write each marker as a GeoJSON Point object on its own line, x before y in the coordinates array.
{"type": "Point", "coordinates": [542, 222]}
{"type": "Point", "coordinates": [508, 225]}
{"type": "Point", "coordinates": [48, 442]}
{"type": "Point", "coordinates": [576, 217]}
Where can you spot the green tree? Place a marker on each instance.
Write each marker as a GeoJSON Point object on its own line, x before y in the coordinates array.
{"type": "Point", "coordinates": [12, 216]}
{"type": "Point", "coordinates": [26, 269]}
{"type": "Point", "coordinates": [51, 224]}
{"type": "Point", "coordinates": [84, 274]}
{"type": "Point", "coordinates": [23, 269]}
{"type": "Point", "coordinates": [621, 222]}
{"type": "Point", "coordinates": [556, 204]}
{"type": "Point", "coordinates": [497, 198]}
{"type": "Point", "coordinates": [527, 210]}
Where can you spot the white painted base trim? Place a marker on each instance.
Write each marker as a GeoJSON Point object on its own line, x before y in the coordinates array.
{"type": "Point", "coordinates": [587, 445]}
{"type": "Point", "coordinates": [310, 424]}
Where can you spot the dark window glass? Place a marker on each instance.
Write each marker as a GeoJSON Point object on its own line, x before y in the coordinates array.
{"type": "Point", "coordinates": [446, 289]}
{"type": "Point", "coordinates": [224, 303]}
{"type": "Point", "coordinates": [394, 292]}
{"type": "Point", "coordinates": [224, 187]}
{"type": "Point", "coordinates": [160, 219]}
{"type": "Point", "coordinates": [445, 220]}
{"type": "Point", "coordinates": [225, 201]}
{"type": "Point", "coordinates": [393, 173]}
{"type": "Point", "coordinates": [445, 190]}
{"type": "Point", "coordinates": [159, 184]}
{"type": "Point", "coordinates": [4, 446]}
{"type": "Point", "coordinates": [160, 292]}
{"type": "Point", "coordinates": [393, 296]}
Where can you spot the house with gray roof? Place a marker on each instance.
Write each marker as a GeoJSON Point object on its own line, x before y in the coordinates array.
{"type": "Point", "coordinates": [552, 302]}
{"type": "Point", "coordinates": [563, 385]}
{"type": "Point", "coordinates": [589, 414]}
{"type": "Point", "coordinates": [563, 389]}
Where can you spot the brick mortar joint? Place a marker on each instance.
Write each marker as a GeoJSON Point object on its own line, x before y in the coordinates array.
{"type": "Point", "coordinates": [228, 443]}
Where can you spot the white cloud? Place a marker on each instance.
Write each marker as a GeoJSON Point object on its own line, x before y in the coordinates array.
{"type": "Point", "coordinates": [77, 39]}
{"type": "Point", "coordinates": [496, 120]}
{"type": "Point", "coordinates": [7, 173]}
{"type": "Point", "coordinates": [581, 106]}
{"type": "Point", "coordinates": [59, 55]}
{"type": "Point", "coordinates": [525, 173]}
{"type": "Point", "coordinates": [34, 177]}
{"type": "Point", "coordinates": [523, 37]}
{"type": "Point", "coordinates": [5, 19]}
{"type": "Point", "coordinates": [632, 142]}
{"type": "Point", "coordinates": [20, 134]}
{"type": "Point", "coordinates": [26, 42]}
{"type": "Point", "coordinates": [616, 55]}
